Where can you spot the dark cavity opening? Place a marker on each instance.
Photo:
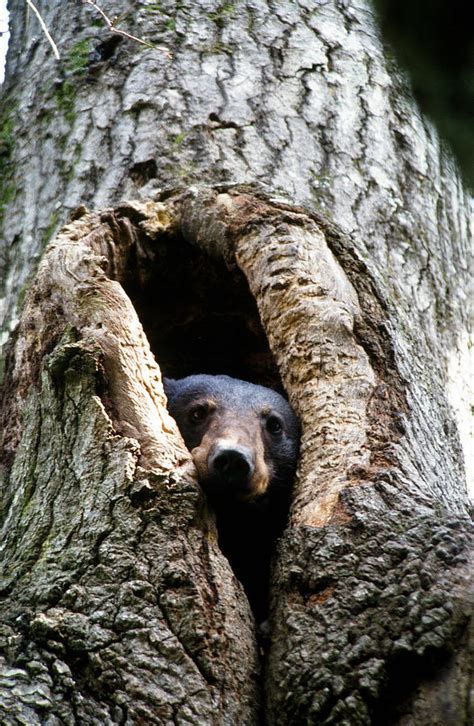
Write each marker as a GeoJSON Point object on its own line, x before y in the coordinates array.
{"type": "Point", "coordinates": [200, 317]}
{"type": "Point", "coordinates": [199, 314]}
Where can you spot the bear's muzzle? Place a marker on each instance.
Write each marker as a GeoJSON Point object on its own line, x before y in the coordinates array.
{"type": "Point", "coordinates": [232, 466]}
{"type": "Point", "coordinates": [227, 467]}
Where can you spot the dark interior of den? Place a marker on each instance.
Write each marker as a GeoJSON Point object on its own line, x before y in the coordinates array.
{"type": "Point", "coordinates": [200, 317]}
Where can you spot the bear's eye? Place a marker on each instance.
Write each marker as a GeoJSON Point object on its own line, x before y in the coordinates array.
{"type": "Point", "coordinates": [274, 425]}
{"type": "Point", "coordinates": [198, 414]}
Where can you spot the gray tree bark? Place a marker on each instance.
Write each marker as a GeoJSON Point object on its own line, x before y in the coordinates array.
{"type": "Point", "coordinates": [276, 154]}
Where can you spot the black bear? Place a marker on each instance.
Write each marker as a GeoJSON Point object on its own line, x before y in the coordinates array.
{"type": "Point", "coordinates": [244, 441]}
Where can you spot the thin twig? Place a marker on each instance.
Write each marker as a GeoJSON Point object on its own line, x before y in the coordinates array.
{"type": "Point", "coordinates": [44, 28]}
{"type": "Point", "coordinates": [113, 29]}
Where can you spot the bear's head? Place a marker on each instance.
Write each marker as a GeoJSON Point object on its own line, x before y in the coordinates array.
{"type": "Point", "coordinates": [243, 437]}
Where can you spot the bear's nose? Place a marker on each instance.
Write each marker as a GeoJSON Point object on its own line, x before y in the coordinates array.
{"type": "Point", "coordinates": [232, 465]}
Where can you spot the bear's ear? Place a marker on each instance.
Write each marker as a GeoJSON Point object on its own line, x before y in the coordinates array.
{"type": "Point", "coordinates": [169, 385]}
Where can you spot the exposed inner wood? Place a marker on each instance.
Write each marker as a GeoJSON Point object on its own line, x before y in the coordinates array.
{"type": "Point", "coordinates": [223, 284]}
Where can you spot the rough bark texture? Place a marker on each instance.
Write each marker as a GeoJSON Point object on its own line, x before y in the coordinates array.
{"type": "Point", "coordinates": [118, 605]}
{"type": "Point", "coordinates": [372, 597]}
{"type": "Point", "coordinates": [117, 602]}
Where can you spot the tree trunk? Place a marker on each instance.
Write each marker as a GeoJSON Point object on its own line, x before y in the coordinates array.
{"type": "Point", "coordinates": [295, 223]}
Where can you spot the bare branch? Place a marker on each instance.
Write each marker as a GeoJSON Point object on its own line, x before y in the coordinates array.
{"type": "Point", "coordinates": [44, 29]}
{"type": "Point", "coordinates": [113, 29]}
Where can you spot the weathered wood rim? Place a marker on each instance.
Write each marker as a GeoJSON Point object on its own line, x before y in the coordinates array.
{"type": "Point", "coordinates": [333, 355]}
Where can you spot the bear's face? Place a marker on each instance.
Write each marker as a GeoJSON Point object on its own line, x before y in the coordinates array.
{"type": "Point", "coordinates": [243, 438]}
